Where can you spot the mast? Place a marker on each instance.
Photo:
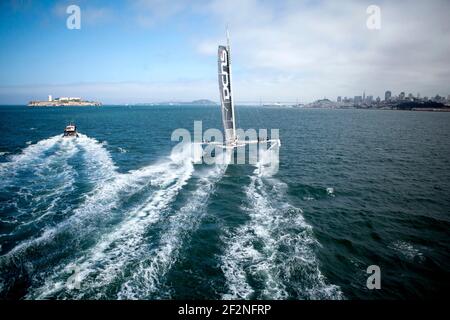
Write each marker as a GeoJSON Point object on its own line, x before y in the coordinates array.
{"type": "Point", "coordinates": [226, 95]}
{"type": "Point", "coordinates": [231, 88]}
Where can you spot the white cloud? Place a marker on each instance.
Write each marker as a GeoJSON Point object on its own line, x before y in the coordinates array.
{"type": "Point", "coordinates": [284, 50]}
{"type": "Point", "coordinates": [207, 47]}
{"type": "Point", "coordinates": [151, 12]}
{"type": "Point", "coordinates": [325, 48]}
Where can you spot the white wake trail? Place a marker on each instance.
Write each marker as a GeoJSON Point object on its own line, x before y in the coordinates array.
{"type": "Point", "coordinates": [147, 277]}
{"type": "Point", "coordinates": [62, 175]}
{"type": "Point", "coordinates": [48, 158]}
{"type": "Point", "coordinates": [38, 177]}
{"type": "Point", "coordinates": [244, 258]}
{"type": "Point", "coordinates": [98, 161]}
{"type": "Point", "coordinates": [32, 156]}
{"type": "Point", "coordinates": [274, 248]}
{"type": "Point", "coordinates": [48, 162]}
{"type": "Point", "coordinates": [33, 151]}
{"type": "Point", "coordinates": [117, 249]}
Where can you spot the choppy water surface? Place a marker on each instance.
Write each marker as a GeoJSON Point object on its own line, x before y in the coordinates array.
{"type": "Point", "coordinates": [134, 219]}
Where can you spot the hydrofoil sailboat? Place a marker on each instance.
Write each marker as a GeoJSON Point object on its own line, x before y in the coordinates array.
{"type": "Point", "coordinates": [227, 104]}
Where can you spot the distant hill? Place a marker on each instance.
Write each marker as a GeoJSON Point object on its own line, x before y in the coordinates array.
{"type": "Point", "coordinates": [322, 103]}
{"type": "Point", "coordinates": [200, 102]}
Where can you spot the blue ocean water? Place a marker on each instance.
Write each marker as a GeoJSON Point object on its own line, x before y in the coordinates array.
{"type": "Point", "coordinates": [116, 214]}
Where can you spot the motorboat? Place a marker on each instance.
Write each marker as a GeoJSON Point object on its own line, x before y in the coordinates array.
{"type": "Point", "coordinates": [70, 131]}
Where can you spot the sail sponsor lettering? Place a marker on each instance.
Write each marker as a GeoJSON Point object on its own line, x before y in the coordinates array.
{"type": "Point", "coordinates": [225, 75]}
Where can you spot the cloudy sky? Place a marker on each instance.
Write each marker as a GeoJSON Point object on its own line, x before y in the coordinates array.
{"type": "Point", "coordinates": [160, 50]}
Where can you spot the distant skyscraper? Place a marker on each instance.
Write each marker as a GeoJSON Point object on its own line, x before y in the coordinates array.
{"type": "Point", "coordinates": [364, 96]}
{"type": "Point", "coordinates": [387, 95]}
{"type": "Point", "coordinates": [339, 99]}
{"type": "Point", "coordinates": [378, 99]}
{"type": "Point", "coordinates": [402, 95]}
{"type": "Point", "coordinates": [357, 99]}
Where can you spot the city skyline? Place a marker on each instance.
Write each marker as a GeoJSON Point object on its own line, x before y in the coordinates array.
{"type": "Point", "coordinates": [369, 98]}
{"type": "Point", "coordinates": [390, 95]}
{"type": "Point", "coordinates": [149, 51]}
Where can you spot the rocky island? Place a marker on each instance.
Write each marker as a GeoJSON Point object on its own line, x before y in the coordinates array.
{"type": "Point", "coordinates": [64, 102]}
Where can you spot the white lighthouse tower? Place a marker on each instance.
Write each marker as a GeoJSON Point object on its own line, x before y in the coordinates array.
{"type": "Point", "coordinates": [50, 99]}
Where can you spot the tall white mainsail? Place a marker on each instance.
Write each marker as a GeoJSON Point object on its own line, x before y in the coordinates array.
{"type": "Point", "coordinates": [226, 94]}
{"type": "Point", "coordinates": [227, 103]}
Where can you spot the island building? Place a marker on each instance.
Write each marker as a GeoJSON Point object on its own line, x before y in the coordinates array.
{"type": "Point", "coordinates": [64, 102]}
{"type": "Point", "coordinates": [387, 95]}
